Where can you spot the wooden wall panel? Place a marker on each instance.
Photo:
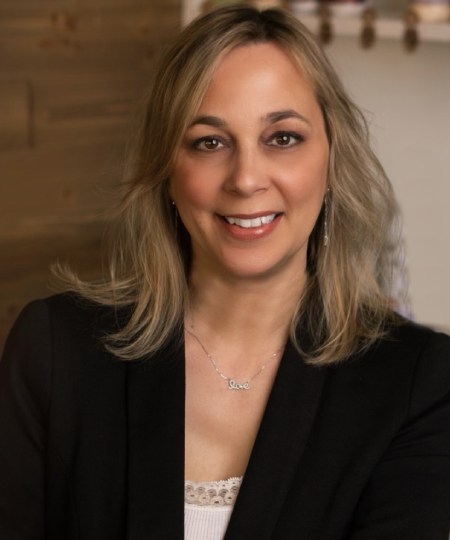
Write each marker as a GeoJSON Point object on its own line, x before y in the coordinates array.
{"type": "Point", "coordinates": [117, 42]}
{"type": "Point", "coordinates": [73, 182]}
{"type": "Point", "coordinates": [71, 75]}
{"type": "Point", "coordinates": [90, 108]}
{"type": "Point", "coordinates": [24, 273]}
{"type": "Point", "coordinates": [15, 114]}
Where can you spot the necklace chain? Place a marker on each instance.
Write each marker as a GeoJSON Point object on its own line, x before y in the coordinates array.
{"type": "Point", "coordinates": [232, 384]}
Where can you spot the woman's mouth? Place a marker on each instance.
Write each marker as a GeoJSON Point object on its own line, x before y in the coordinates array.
{"type": "Point", "coordinates": [250, 223]}
{"type": "Point", "coordinates": [251, 227]}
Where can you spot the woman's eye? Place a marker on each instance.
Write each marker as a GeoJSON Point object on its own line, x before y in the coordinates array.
{"type": "Point", "coordinates": [208, 144]}
{"type": "Point", "coordinates": [285, 139]}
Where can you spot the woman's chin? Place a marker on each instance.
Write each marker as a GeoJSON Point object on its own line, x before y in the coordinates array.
{"type": "Point", "coordinates": [258, 268]}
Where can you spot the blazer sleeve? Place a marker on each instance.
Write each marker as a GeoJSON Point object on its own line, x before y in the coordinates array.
{"type": "Point", "coordinates": [25, 376]}
{"type": "Point", "coordinates": [408, 495]}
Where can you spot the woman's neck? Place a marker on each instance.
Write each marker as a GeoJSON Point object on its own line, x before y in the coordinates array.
{"type": "Point", "coordinates": [247, 318]}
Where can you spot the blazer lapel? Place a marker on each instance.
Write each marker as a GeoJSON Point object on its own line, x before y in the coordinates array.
{"type": "Point", "coordinates": [278, 448]}
{"type": "Point", "coordinates": [156, 390]}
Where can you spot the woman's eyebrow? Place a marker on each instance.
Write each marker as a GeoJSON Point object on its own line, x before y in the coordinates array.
{"type": "Point", "coordinates": [213, 121]}
{"type": "Point", "coordinates": [277, 116]}
{"type": "Point", "coordinates": [270, 118]}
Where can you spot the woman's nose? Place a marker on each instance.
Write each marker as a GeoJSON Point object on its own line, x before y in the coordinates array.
{"type": "Point", "coordinates": [247, 174]}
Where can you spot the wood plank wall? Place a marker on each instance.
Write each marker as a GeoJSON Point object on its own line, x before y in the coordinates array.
{"type": "Point", "coordinates": [71, 74]}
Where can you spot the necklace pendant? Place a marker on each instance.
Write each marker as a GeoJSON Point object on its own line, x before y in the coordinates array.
{"type": "Point", "coordinates": [233, 385]}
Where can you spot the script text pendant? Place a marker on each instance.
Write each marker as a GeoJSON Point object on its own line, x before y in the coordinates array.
{"type": "Point", "coordinates": [233, 385]}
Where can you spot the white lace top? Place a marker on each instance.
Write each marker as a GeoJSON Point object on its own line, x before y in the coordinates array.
{"type": "Point", "coordinates": [208, 507]}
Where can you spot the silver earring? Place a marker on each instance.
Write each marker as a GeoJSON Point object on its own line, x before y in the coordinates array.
{"type": "Point", "coordinates": [176, 217]}
{"type": "Point", "coordinates": [326, 237]}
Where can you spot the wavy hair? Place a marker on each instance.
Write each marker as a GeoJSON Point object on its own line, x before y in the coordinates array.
{"type": "Point", "coordinates": [344, 306]}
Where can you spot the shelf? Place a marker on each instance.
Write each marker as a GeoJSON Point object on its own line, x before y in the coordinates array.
{"type": "Point", "coordinates": [386, 27]}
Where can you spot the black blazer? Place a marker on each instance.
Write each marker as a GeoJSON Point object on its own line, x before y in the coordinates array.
{"type": "Point", "coordinates": [92, 448]}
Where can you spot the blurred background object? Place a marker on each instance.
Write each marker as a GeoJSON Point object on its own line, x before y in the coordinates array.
{"type": "Point", "coordinates": [431, 10]}
{"type": "Point", "coordinates": [348, 8]}
{"type": "Point", "coordinates": [299, 7]}
{"type": "Point", "coordinates": [411, 36]}
{"type": "Point", "coordinates": [368, 33]}
{"type": "Point", "coordinates": [207, 5]}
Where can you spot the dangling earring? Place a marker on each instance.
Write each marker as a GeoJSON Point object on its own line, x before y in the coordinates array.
{"type": "Point", "coordinates": [176, 218]}
{"type": "Point", "coordinates": [326, 237]}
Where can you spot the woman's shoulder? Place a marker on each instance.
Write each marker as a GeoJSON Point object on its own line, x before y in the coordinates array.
{"type": "Point", "coordinates": [411, 330]}
{"type": "Point", "coordinates": [59, 338]}
{"type": "Point", "coordinates": [404, 345]}
{"type": "Point", "coordinates": [401, 384]}
{"type": "Point", "coordinates": [61, 324]}
{"type": "Point", "coordinates": [429, 351]}
{"type": "Point", "coordinates": [406, 341]}
{"type": "Point", "coordinates": [415, 342]}
{"type": "Point", "coordinates": [70, 311]}
{"type": "Point", "coordinates": [72, 304]}
{"type": "Point", "coordinates": [410, 364]}
{"type": "Point", "coordinates": [407, 358]}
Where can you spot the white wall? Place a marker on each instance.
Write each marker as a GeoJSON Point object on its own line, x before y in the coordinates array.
{"type": "Point", "coordinates": [407, 99]}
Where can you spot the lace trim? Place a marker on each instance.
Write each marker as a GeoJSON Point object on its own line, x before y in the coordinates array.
{"type": "Point", "coordinates": [221, 493]}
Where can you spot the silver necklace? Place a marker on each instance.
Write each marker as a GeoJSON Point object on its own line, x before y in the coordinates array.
{"type": "Point", "coordinates": [232, 384]}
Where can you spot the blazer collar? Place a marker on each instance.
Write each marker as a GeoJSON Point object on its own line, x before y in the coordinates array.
{"type": "Point", "coordinates": [156, 402]}
{"type": "Point", "coordinates": [156, 390]}
{"type": "Point", "coordinates": [278, 448]}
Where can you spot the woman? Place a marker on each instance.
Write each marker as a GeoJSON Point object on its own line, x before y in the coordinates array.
{"type": "Point", "coordinates": [244, 291]}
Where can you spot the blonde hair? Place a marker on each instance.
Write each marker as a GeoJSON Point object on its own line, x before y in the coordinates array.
{"type": "Point", "coordinates": [342, 308]}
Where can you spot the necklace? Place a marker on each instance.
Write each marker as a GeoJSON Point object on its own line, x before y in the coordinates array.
{"type": "Point", "coordinates": [233, 385]}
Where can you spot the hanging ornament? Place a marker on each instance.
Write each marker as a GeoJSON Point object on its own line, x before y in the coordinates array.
{"type": "Point", "coordinates": [325, 29]}
{"type": "Point", "coordinates": [411, 35]}
{"type": "Point", "coordinates": [368, 34]}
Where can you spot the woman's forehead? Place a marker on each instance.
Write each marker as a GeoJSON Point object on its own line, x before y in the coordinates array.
{"type": "Point", "coordinates": [257, 77]}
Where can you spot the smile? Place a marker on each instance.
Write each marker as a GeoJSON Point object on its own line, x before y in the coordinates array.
{"type": "Point", "coordinates": [250, 223]}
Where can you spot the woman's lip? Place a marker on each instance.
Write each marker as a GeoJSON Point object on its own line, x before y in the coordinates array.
{"type": "Point", "coordinates": [254, 233]}
{"type": "Point", "coordinates": [251, 216]}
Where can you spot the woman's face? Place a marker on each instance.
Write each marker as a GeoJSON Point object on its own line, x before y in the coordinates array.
{"type": "Point", "coordinates": [250, 176]}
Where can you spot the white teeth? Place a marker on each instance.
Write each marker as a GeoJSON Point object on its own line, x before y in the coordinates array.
{"type": "Point", "coordinates": [268, 219]}
{"type": "Point", "coordinates": [251, 223]}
